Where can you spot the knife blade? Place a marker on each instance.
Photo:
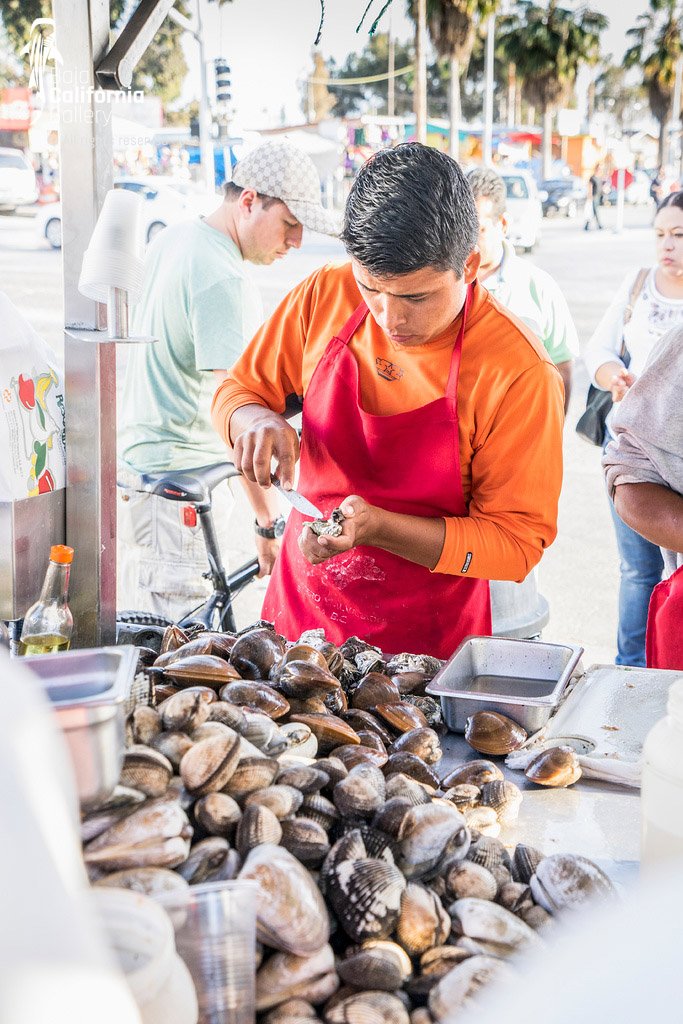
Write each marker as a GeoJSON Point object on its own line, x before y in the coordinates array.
{"type": "Point", "coordinates": [300, 503]}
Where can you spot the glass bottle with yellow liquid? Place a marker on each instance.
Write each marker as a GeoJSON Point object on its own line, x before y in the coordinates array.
{"type": "Point", "coordinates": [48, 623]}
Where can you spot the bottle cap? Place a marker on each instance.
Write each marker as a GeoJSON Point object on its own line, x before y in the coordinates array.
{"type": "Point", "coordinates": [61, 554]}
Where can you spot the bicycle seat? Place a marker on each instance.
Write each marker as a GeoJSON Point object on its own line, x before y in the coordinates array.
{"type": "Point", "coordinates": [193, 485]}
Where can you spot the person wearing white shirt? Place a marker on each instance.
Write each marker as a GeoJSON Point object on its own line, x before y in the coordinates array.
{"type": "Point", "coordinates": [657, 308]}
{"type": "Point", "coordinates": [526, 290]}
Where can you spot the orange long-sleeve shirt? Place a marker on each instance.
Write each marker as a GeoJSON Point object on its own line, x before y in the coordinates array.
{"type": "Point", "coordinates": [510, 409]}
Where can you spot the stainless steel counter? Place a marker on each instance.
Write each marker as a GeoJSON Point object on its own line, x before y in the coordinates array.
{"type": "Point", "coordinates": [595, 819]}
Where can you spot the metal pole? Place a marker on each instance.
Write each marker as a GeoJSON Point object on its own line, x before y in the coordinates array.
{"type": "Point", "coordinates": [675, 124]}
{"type": "Point", "coordinates": [86, 163]}
{"type": "Point", "coordinates": [487, 140]}
{"type": "Point", "coordinates": [390, 69]}
{"type": "Point", "coordinates": [205, 142]}
{"type": "Point", "coordinates": [420, 98]}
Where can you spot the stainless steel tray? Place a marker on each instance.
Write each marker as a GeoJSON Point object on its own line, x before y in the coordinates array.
{"type": "Point", "coordinates": [523, 679]}
{"type": "Point", "coordinates": [88, 690]}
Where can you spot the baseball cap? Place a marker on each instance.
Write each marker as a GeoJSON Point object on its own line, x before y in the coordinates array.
{"type": "Point", "coordinates": [282, 170]}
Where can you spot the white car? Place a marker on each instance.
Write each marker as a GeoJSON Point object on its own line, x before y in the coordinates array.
{"type": "Point", "coordinates": [524, 209]}
{"type": "Point", "coordinates": [18, 185]}
{"type": "Point", "coordinates": [166, 202]}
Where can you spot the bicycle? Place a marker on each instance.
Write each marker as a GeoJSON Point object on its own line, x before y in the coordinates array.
{"type": "Point", "coordinates": [192, 487]}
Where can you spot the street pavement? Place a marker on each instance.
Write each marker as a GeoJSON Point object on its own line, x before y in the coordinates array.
{"type": "Point", "coordinates": [579, 573]}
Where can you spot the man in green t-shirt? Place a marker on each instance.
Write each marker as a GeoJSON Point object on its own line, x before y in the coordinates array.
{"type": "Point", "coordinates": [527, 291]}
{"type": "Point", "coordinates": [200, 303]}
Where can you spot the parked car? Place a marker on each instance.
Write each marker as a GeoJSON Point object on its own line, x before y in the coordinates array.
{"type": "Point", "coordinates": [18, 186]}
{"type": "Point", "coordinates": [166, 202]}
{"type": "Point", "coordinates": [563, 196]}
{"type": "Point", "coordinates": [524, 209]}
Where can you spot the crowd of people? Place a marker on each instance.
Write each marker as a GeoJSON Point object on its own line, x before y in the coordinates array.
{"type": "Point", "coordinates": [433, 370]}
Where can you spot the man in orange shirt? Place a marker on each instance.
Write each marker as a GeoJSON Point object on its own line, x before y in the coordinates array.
{"type": "Point", "coordinates": [431, 416]}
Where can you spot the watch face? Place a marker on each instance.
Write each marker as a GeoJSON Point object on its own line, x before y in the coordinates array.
{"type": "Point", "coordinates": [279, 526]}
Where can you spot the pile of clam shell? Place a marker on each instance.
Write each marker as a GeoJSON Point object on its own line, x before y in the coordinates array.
{"type": "Point", "coordinates": [384, 894]}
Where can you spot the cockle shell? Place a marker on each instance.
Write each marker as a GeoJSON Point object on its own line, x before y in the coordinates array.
{"type": "Point", "coordinates": [187, 709]}
{"type": "Point", "coordinates": [209, 764]}
{"type": "Point", "coordinates": [258, 825]}
{"type": "Point", "coordinates": [504, 797]}
{"type": "Point", "coordinates": [286, 976]}
{"type": "Point", "coordinates": [250, 775]}
{"type": "Point", "coordinates": [290, 912]}
{"type": "Point", "coordinates": [474, 773]}
{"type": "Point", "coordinates": [423, 922]}
{"type": "Point", "coordinates": [217, 813]}
{"type": "Point", "coordinates": [300, 739]}
{"type": "Point", "coordinates": [228, 714]}
{"type": "Point", "coordinates": [454, 992]}
{"type": "Point", "coordinates": [525, 861]}
{"type": "Point", "coordinates": [367, 1008]}
{"type": "Point", "coordinates": [149, 881]}
{"type": "Point", "coordinates": [377, 965]}
{"type": "Point", "coordinates": [463, 796]}
{"type": "Point", "coordinates": [489, 923]}
{"type": "Point", "coordinates": [412, 765]}
{"type": "Point", "coordinates": [422, 741]}
{"type": "Point", "coordinates": [319, 809]}
{"type": "Point", "coordinates": [306, 839]}
{"type": "Point", "coordinates": [146, 770]}
{"type": "Point", "coordinates": [465, 878]}
{"type": "Point", "coordinates": [483, 820]}
{"type": "Point", "coordinates": [564, 881]}
{"type": "Point", "coordinates": [362, 792]}
{"type": "Point", "coordinates": [204, 858]}
{"type": "Point", "coordinates": [366, 897]}
{"type": "Point", "coordinates": [428, 834]}
{"type": "Point", "coordinates": [391, 814]}
{"type": "Point", "coordinates": [305, 778]}
{"type": "Point", "coordinates": [173, 746]}
{"type": "Point", "coordinates": [282, 800]}
{"type": "Point", "coordinates": [489, 852]}
{"type": "Point", "coordinates": [333, 768]}
{"type": "Point", "coordinates": [354, 754]}
{"type": "Point", "coordinates": [157, 834]}
{"type": "Point", "coordinates": [145, 724]}
{"type": "Point", "coordinates": [409, 789]}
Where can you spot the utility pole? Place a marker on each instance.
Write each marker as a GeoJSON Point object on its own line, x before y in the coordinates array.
{"type": "Point", "coordinates": [420, 98]}
{"type": "Point", "coordinates": [675, 123]}
{"type": "Point", "coordinates": [390, 69]}
{"type": "Point", "coordinates": [205, 143]}
{"type": "Point", "coordinates": [487, 139]}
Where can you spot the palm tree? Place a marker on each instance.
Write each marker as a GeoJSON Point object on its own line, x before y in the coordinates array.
{"type": "Point", "coordinates": [452, 26]}
{"type": "Point", "coordinates": [656, 49]}
{"type": "Point", "coordinates": [547, 46]}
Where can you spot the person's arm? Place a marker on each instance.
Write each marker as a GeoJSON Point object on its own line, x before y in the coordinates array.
{"type": "Point", "coordinates": [516, 481]}
{"type": "Point", "coordinates": [266, 510]}
{"type": "Point", "coordinates": [248, 405]}
{"type": "Point", "coordinates": [653, 511]}
{"type": "Point", "coordinates": [602, 355]}
{"type": "Point", "coordinates": [565, 371]}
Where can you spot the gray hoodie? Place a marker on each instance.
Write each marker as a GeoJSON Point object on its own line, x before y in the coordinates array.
{"type": "Point", "coordinates": [648, 428]}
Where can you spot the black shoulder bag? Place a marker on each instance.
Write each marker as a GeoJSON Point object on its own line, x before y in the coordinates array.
{"type": "Point", "coordinates": [592, 423]}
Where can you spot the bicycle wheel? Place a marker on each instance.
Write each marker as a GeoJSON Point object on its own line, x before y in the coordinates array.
{"type": "Point", "coordinates": [142, 619]}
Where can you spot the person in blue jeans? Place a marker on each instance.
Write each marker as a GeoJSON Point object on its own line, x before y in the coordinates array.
{"type": "Point", "coordinates": [648, 304]}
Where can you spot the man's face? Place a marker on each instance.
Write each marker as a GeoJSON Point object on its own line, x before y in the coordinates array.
{"type": "Point", "coordinates": [492, 230]}
{"type": "Point", "coordinates": [267, 232]}
{"type": "Point", "coordinates": [415, 308]}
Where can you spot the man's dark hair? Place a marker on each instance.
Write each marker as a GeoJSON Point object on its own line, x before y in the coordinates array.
{"type": "Point", "coordinates": [233, 192]}
{"type": "Point", "coordinates": [486, 184]}
{"type": "Point", "coordinates": [673, 199]}
{"type": "Point", "coordinates": [410, 208]}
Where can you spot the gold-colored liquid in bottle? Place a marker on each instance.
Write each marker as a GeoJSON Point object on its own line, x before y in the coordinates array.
{"type": "Point", "coordinates": [43, 644]}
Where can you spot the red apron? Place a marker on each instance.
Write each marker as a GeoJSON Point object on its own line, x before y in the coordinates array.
{"type": "Point", "coordinates": [407, 463]}
{"type": "Point", "coordinates": [664, 641]}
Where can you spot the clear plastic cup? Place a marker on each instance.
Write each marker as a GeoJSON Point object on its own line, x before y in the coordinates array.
{"type": "Point", "coordinates": [215, 934]}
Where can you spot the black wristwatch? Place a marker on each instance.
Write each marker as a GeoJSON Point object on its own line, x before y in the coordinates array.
{"type": "Point", "coordinates": [270, 532]}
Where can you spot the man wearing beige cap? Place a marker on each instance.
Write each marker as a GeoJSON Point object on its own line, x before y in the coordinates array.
{"type": "Point", "coordinates": [200, 303]}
